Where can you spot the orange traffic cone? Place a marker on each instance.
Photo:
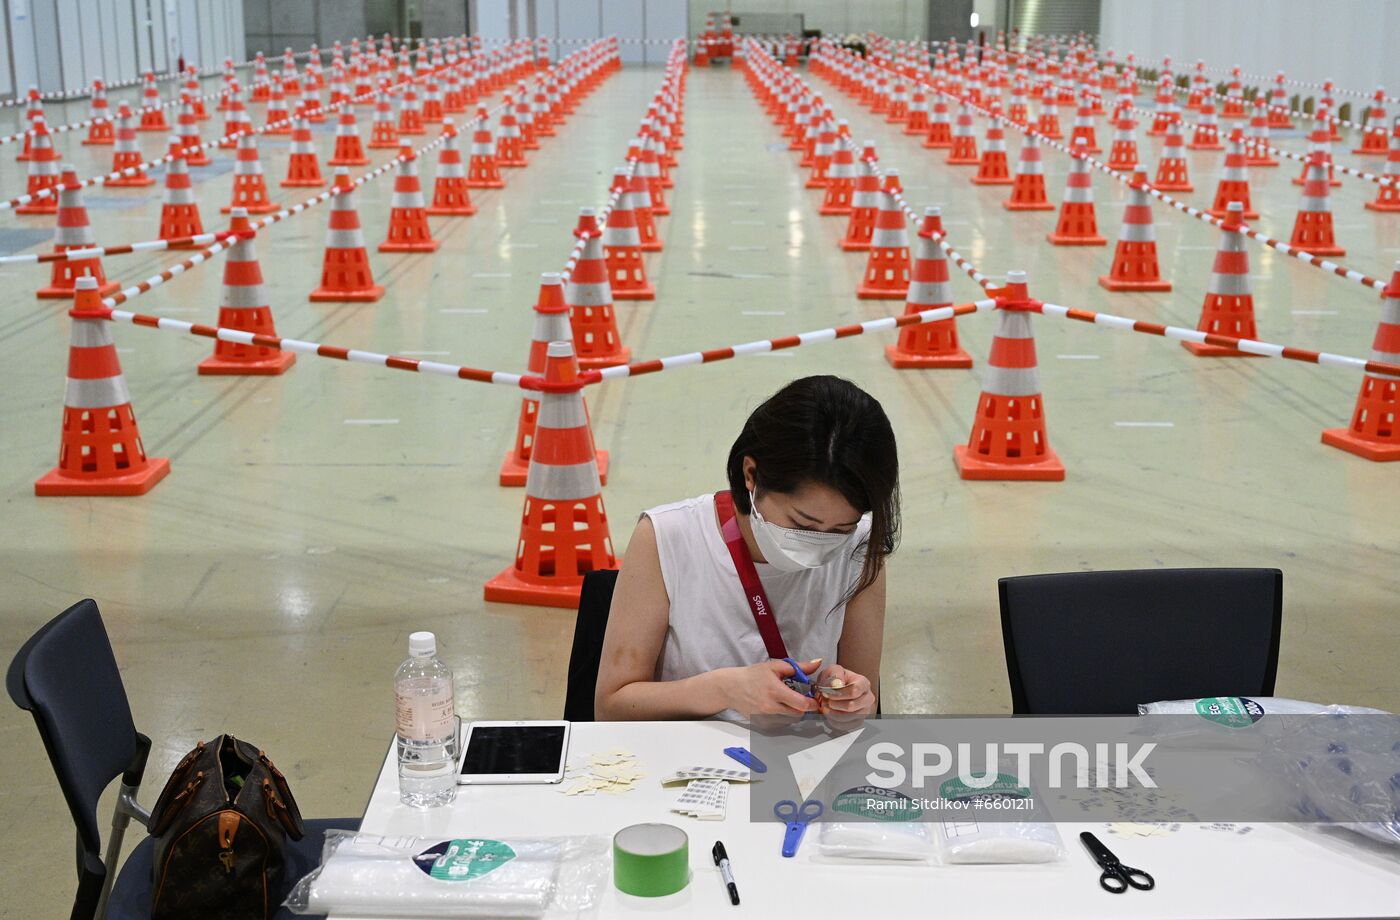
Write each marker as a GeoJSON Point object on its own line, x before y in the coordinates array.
{"type": "Point", "coordinates": [451, 197]}
{"type": "Point", "coordinates": [551, 325]}
{"type": "Point", "coordinates": [1008, 439]}
{"type": "Point", "coordinates": [236, 120]}
{"type": "Point", "coordinates": [243, 306]}
{"type": "Point", "coordinates": [1077, 224]}
{"type": "Point", "coordinates": [1165, 104]}
{"type": "Point", "coordinates": [303, 167]}
{"type": "Point", "coordinates": [384, 131]}
{"type": "Point", "coordinates": [33, 110]}
{"type": "Point", "coordinates": [1207, 133]}
{"type": "Point", "coordinates": [940, 128]}
{"type": "Point", "coordinates": [1388, 193]}
{"type": "Point", "coordinates": [1375, 423]}
{"type": "Point", "coordinates": [1229, 305]}
{"type": "Point", "coordinates": [933, 344]}
{"type": "Point", "coordinates": [1172, 172]}
{"type": "Point", "coordinates": [43, 172]}
{"type": "Point", "coordinates": [152, 115]}
{"type": "Point", "coordinates": [1373, 138]}
{"type": "Point", "coordinates": [1123, 153]}
{"type": "Point", "coordinates": [277, 119]}
{"type": "Point", "coordinates": [648, 172]}
{"type": "Point", "coordinates": [410, 112]}
{"type": "Point", "coordinates": [622, 245]}
{"type": "Point", "coordinates": [887, 265]}
{"type": "Point", "coordinates": [482, 169]}
{"type": "Point", "coordinates": [179, 209]}
{"type": "Point", "coordinates": [640, 201]}
{"type": "Point", "coordinates": [101, 131]}
{"type": "Point", "coordinates": [345, 272]}
{"type": "Point", "coordinates": [590, 301]}
{"type": "Point", "coordinates": [1028, 188]}
{"type": "Point", "coordinates": [193, 144]}
{"type": "Point", "coordinates": [865, 204]}
{"type": "Point", "coordinates": [964, 152]}
{"type": "Point", "coordinates": [1257, 147]}
{"type": "Point", "coordinates": [992, 170]}
{"type": "Point", "coordinates": [100, 450]}
{"type": "Point", "coordinates": [348, 150]}
{"type": "Point", "coordinates": [1234, 181]}
{"type": "Point", "coordinates": [408, 218]}
{"type": "Point", "coordinates": [73, 232]}
{"type": "Point", "coordinates": [1312, 228]}
{"type": "Point", "coordinates": [563, 528]}
{"type": "Point", "coordinates": [249, 184]}
{"type": "Point", "coordinates": [1084, 129]}
{"type": "Point", "coordinates": [126, 155]}
{"type": "Point", "coordinates": [1320, 143]}
{"type": "Point", "coordinates": [510, 144]}
{"type": "Point", "coordinates": [918, 122]}
{"type": "Point", "coordinates": [822, 154]}
{"type": "Point", "coordinates": [841, 180]}
{"type": "Point", "coordinates": [1049, 122]}
{"type": "Point", "coordinates": [1135, 258]}
{"type": "Point", "coordinates": [1278, 102]}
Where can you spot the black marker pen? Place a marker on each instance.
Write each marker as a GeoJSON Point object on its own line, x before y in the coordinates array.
{"type": "Point", "coordinates": [722, 860]}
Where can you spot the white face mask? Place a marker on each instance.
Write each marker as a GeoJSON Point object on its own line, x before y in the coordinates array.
{"type": "Point", "coordinates": [788, 549]}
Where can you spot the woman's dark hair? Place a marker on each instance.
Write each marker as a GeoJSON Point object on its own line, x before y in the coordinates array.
{"type": "Point", "coordinates": [825, 430]}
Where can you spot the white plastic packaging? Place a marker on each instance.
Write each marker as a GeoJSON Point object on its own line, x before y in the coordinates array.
{"type": "Point", "coordinates": [964, 839]}
{"type": "Point", "coordinates": [1241, 711]}
{"type": "Point", "coordinates": [367, 875]}
{"type": "Point", "coordinates": [903, 840]}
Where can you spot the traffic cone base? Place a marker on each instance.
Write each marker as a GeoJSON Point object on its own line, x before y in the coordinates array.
{"type": "Point", "coordinates": [1109, 283]}
{"type": "Point", "coordinates": [970, 466]}
{"type": "Point", "coordinates": [274, 364]}
{"type": "Point", "coordinates": [1028, 205]}
{"type": "Point", "coordinates": [902, 360]}
{"type": "Point", "coordinates": [1383, 205]}
{"type": "Point", "coordinates": [1206, 350]}
{"type": "Point", "coordinates": [1087, 236]}
{"type": "Point", "coordinates": [1344, 439]}
{"type": "Point", "coordinates": [56, 483]}
{"type": "Point", "coordinates": [1375, 423]}
{"type": "Point", "coordinates": [63, 289]}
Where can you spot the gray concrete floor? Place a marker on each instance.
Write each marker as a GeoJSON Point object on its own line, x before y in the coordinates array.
{"type": "Point", "coordinates": [267, 587]}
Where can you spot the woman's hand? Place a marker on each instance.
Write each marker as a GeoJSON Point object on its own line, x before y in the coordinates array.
{"type": "Point", "coordinates": [759, 688]}
{"type": "Point", "coordinates": [852, 698]}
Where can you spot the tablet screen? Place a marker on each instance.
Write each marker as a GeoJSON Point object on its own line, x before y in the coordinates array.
{"type": "Point", "coordinates": [514, 749]}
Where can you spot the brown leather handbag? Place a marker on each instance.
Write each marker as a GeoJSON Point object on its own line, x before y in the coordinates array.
{"type": "Point", "coordinates": [221, 826]}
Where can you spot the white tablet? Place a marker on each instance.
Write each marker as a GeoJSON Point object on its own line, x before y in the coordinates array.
{"type": "Point", "coordinates": [513, 752]}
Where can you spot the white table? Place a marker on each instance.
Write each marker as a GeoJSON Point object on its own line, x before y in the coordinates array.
{"type": "Point", "coordinates": [1273, 871]}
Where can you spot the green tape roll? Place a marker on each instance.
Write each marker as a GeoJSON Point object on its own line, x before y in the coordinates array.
{"type": "Point", "coordinates": [651, 860]}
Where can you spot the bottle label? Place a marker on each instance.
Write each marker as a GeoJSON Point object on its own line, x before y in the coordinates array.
{"type": "Point", "coordinates": [424, 717]}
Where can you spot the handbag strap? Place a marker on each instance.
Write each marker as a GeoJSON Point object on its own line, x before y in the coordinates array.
{"type": "Point", "coordinates": [748, 577]}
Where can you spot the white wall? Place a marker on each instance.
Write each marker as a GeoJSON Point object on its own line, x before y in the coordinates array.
{"type": "Point", "coordinates": [1349, 41]}
{"type": "Point", "coordinates": [896, 18]}
{"type": "Point", "coordinates": [63, 45]}
{"type": "Point", "coordinates": [656, 21]}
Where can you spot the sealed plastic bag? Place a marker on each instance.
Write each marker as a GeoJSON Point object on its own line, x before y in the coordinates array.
{"type": "Point", "coordinates": [883, 824]}
{"type": "Point", "coordinates": [1001, 822]}
{"type": "Point", "coordinates": [1241, 711]}
{"type": "Point", "coordinates": [367, 875]}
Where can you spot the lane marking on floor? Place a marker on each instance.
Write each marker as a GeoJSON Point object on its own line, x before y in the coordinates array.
{"type": "Point", "coordinates": [371, 421]}
{"type": "Point", "coordinates": [462, 311]}
{"type": "Point", "coordinates": [1078, 357]}
{"type": "Point", "coordinates": [748, 248]}
{"type": "Point", "coordinates": [1144, 424]}
{"type": "Point", "coordinates": [422, 354]}
{"type": "Point", "coordinates": [490, 274]}
{"type": "Point", "coordinates": [763, 312]}
{"type": "Point", "coordinates": [1314, 312]}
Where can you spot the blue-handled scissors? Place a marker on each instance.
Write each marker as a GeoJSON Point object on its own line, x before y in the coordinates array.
{"type": "Point", "coordinates": [797, 818]}
{"type": "Point", "coordinates": [799, 680]}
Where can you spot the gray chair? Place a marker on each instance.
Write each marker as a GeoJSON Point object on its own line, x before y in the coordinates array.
{"type": "Point", "coordinates": [66, 676]}
{"type": "Point", "coordinates": [1100, 643]}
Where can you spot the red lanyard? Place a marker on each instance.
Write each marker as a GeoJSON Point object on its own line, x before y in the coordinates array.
{"type": "Point", "coordinates": [748, 577]}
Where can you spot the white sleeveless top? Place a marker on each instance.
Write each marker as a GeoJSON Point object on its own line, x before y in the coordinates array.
{"type": "Point", "coordinates": [711, 625]}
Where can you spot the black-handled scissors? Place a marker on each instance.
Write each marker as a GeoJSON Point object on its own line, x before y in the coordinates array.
{"type": "Point", "coordinates": [1116, 877]}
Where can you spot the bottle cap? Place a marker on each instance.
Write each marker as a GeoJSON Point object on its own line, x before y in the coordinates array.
{"type": "Point", "coordinates": [422, 644]}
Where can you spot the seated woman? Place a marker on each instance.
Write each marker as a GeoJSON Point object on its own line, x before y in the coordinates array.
{"type": "Point", "coordinates": [813, 510]}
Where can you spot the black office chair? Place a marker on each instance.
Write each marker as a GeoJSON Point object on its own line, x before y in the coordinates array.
{"type": "Point", "coordinates": [594, 602]}
{"type": "Point", "coordinates": [1100, 643]}
{"type": "Point", "coordinates": [67, 677]}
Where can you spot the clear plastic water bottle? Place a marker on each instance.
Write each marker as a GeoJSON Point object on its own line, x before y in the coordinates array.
{"type": "Point", "coordinates": [426, 725]}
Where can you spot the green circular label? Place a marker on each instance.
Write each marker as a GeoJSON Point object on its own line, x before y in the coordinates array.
{"type": "Point", "coordinates": [1230, 711]}
{"type": "Point", "coordinates": [878, 803]}
{"type": "Point", "coordinates": [463, 860]}
{"type": "Point", "coordinates": [1004, 784]}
